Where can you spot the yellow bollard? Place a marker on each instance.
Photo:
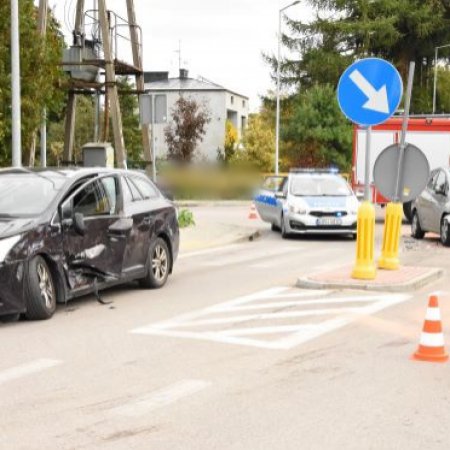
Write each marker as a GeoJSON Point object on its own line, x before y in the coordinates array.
{"type": "Point", "coordinates": [364, 268]}
{"type": "Point", "coordinates": [391, 237]}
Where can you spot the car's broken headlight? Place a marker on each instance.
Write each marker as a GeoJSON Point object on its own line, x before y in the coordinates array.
{"type": "Point", "coordinates": [6, 246]}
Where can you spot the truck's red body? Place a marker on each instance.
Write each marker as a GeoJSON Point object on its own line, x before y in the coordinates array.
{"type": "Point", "coordinates": [431, 135]}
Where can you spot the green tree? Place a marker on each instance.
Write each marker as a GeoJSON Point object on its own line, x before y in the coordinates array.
{"type": "Point", "coordinates": [258, 145]}
{"type": "Point", "coordinates": [397, 30]}
{"type": "Point", "coordinates": [318, 133]}
{"type": "Point", "coordinates": [41, 74]}
{"type": "Point", "coordinates": [187, 129]}
{"type": "Point", "coordinates": [129, 106]}
{"type": "Point", "coordinates": [231, 140]}
{"type": "Point", "coordinates": [84, 131]}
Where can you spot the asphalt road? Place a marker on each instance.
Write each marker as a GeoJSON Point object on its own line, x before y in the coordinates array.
{"type": "Point", "coordinates": [229, 355]}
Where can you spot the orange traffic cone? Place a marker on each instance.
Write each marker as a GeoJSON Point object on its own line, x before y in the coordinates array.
{"type": "Point", "coordinates": [253, 214]}
{"type": "Point", "coordinates": [431, 345]}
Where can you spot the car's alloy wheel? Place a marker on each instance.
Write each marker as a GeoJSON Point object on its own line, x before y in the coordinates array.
{"type": "Point", "coordinates": [41, 299]}
{"type": "Point", "coordinates": [160, 262]}
{"type": "Point", "coordinates": [445, 234]}
{"type": "Point", "coordinates": [158, 265]}
{"type": "Point", "coordinates": [416, 229]}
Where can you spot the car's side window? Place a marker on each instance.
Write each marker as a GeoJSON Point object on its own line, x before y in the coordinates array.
{"type": "Point", "coordinates": [440, 183]}
{"type": "Point", "coordinates": [110, 186]}
{"type": "Point", "coordinates": [135, 194]}
{"type": "Point", "coordinates": [145, 187]}
{"type": "Point", "coordinates": [432, 180]}
{"type": "Point", "coordinates": [92, 201]}
{"type": "Point", "coordinates": [274, 183]}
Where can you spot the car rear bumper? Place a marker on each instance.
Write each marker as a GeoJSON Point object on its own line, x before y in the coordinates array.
{"type": "Point", "coordinates": [12, 295]}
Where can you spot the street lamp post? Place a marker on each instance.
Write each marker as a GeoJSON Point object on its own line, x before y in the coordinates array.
{"type": "Point", "coordinates": [435, 74]}
{"type": "Point", "coordinates": [15, 86]}
{"type": "Point", "coordinates": [277, 120]}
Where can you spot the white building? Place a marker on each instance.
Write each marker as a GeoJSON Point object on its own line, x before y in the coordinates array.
{"type": "Point", "coordinates": [221, 103]}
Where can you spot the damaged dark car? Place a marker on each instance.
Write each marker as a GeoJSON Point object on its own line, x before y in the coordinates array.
{"type": "Point", "coordinates": [65, 233]}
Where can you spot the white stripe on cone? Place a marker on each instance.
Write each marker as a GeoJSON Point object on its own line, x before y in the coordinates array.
{"type": "Point", "coordinates": [432, 339]}
{"type": "Point", "coordinates": [433, 314]}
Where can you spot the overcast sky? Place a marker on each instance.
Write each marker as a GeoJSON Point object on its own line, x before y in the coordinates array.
{"type": "Point", "coordinates": [220, 40]}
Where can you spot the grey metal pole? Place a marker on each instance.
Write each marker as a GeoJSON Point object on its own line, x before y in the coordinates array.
{"type": "Point", "coordinates": [435, 79]}
{"type": "Point", "coordinates": [15, 86]}
{"type": "Point", "coordinates": [153, 140]}
{"type": "Point", "coordinates": [277, 123]}
{"type": "Point", "coordinates": [44, 138]}
{"type": "Point", "coordinates": [401, 155]}
{"type": "Point", "coordinates": [367, 165]}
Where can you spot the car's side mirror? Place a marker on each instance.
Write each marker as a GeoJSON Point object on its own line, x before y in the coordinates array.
{"type": "Point", "coordinates": [78, 223]}
{"type": "Point", "coordinates": [280, 194]}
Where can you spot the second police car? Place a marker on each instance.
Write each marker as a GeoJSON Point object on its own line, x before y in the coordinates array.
{"type": "Point", "coordinates": [308, 201]}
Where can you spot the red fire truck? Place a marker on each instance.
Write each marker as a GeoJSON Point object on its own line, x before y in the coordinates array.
{"type": "Point", "coordinates": [430, 134]}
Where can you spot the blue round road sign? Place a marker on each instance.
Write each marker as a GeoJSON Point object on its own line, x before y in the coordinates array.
{"type": "Point", "coordinates": [369, 91]}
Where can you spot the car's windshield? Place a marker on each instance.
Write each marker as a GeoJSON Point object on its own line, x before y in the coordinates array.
{"type": "Point", "coordinates": [27, 194]}
{"type": "Point", "coordinates": [319, 186]}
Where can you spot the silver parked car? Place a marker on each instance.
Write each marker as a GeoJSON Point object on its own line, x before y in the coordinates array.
{"type": "Point", "coordinates": [308, 201]}
{"type": "Point", "coordinates": [431, 210]}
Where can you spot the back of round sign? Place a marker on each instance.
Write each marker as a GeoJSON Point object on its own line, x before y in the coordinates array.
{"type": "Point", "coordinates": [416, 170]}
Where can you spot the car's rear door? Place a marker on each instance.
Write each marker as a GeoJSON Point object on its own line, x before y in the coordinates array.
{"type": "Point", "coordinates": [424, 203]}
{"type": "Point", "coordinates": [97, 254]}
{"type": "Point", "coordinates": [439, 200]}
{"type": "Point", "coordinates": [139, 197]}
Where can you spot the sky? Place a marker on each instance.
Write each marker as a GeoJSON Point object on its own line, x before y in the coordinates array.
{"type": "Point", "coordinates": [222, 41]}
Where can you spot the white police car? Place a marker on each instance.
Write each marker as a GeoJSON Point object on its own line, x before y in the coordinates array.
{"type": "Point", "coordinates": [308, 201]}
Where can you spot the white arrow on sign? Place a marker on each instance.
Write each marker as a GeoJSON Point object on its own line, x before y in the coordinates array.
{"type": "Point", "coordinates": [377, 99]}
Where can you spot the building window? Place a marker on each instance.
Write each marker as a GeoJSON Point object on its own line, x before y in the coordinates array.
{"type": "Point", "coordinates": [232, 99]}
{"type": "Point", "coordinates": [243, 103]}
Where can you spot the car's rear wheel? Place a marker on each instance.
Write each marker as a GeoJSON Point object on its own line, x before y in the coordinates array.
{"type": "Point", "coordinates": [445, 233]}
{"type": "Point", "coordinates": [158, 265]}
{"type": "Point", "coordinates": [41, 299]}
{"type": "Point", "coordinates": [416, 229]}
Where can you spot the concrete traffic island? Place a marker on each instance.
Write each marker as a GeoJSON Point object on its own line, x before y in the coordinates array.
{"type": "Point", "coordinates": [406, 278]}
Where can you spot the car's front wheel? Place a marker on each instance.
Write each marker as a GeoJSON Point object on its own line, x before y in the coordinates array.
{"type": "Point", "coordinates": [284, 233]}
{"type": "Point", "coordinates": [41, 298]}
{"type": "Point", "coordinates": [445, 233]}
{"type": "Point", "coordinates": [158, 265]}
{"type": "Point", "coordinates": [416, 229]}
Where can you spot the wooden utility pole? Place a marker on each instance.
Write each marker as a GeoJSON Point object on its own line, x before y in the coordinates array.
{"type": "Point", "coordinates": [111, 87]}
{"type": "Point", "coordinates": [140, 86]}
{"type": "Point", "coordinates": [69, 133]}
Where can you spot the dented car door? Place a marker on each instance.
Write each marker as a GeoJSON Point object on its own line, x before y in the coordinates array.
{"type": "Point", "coordinates": [94, 233]}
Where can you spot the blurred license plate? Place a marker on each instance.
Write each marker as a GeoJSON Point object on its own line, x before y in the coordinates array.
{"type": "Point", "coordinates": [329, 221]}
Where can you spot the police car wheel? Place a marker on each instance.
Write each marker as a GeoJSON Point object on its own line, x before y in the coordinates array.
{"type": "Point", "coordinates": [284, 233]}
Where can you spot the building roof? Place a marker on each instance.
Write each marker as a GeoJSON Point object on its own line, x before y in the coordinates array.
{"type": "Point", "coordinates": [187, 84]}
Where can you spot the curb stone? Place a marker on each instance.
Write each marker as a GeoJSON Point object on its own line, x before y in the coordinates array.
{"type": "Point", "coordinates": [414, 284]}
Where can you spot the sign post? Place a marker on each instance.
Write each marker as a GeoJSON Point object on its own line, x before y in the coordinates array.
{"type": "Point", "coordinates": [369, 92]}
{"type": "Point", "coordinates": [394, 211]}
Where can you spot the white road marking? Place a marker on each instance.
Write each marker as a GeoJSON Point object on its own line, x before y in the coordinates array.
{"type": "Point", "coordinates": [249, 257]}
{"type": "Point", "coordinates": [291, 334]}
{"type": "Point", "coordinates": [209, 251]}
{"type": "Point", "coordinates": [160, 398]}
{"type": "Point", "coordinates": [24, 370]}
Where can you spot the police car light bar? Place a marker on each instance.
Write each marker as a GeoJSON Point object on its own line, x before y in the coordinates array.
{"type": "Point", "coordinates": [330, 170]}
